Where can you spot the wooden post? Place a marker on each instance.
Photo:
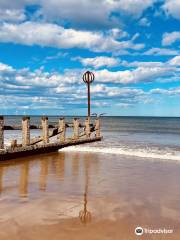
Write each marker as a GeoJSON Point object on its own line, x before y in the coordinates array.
{"type": "Point", "coordinates": [25, 131]}
{"type": "Point", "coordinates": [97, 127]}
{"type": "Point", "coordinates": [62, 130]}
{"type": "Point", "coordinates": [1, 132]}
{"type": "Point", "coordinates": [75, 128]}
{"type": "Point", "coordinates": [87, 127]}
{"type": "Point", "coordinates": [13, 143]}
{"type": "Point", "coordinates": [45, 130]}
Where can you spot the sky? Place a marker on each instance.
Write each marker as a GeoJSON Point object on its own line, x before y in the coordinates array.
{"type": "Point", "coordinates": [132, 47]}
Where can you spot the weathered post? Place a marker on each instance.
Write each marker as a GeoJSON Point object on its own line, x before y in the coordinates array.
{"type": "Point", "coordinates": [87, 127]}
{"type": "Point", "coordinates": [75, 128]}
{"type": "Point", "coordinates": [13, 143]}
{"type": "Point", "coordinates": [25, 131]}
{"type": "Point", "coordinates": [62, 130]}
{"type": "Point", "coordinates": [1, 132]}
{"type": "Point", "coordinates": [97, 127]}
{"type": "Point", "coordinates": [45, 130]}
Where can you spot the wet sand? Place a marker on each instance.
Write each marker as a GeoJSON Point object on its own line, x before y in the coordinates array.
{"type": "Point", "coordinates": [71, 195]}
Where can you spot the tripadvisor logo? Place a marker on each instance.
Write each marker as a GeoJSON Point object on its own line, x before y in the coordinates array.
{"type": "Point", "coordinates": [139, 231]}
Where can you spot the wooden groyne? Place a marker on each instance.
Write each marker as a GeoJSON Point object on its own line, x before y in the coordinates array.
{"type": "Point", "coordinates": [50, 140]}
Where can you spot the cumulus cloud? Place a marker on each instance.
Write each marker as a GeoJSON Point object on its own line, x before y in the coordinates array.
{"type": "Point", "coordinates": [46, 34]}
{"type": "Point", "coordinates": [134, 7]}
{"type": "Point", "coordinates": [170, 92]}
{"type": "Point", "coordinates": [31, 88]}
{"type": "Point", "coordinates": [175, 61]}
{"type": "Point", "coordinates": [83, 13]}
{"type": "Point", "coordinates": [92, 12]}
{"type": "Point", "coordinates": [140, 74]}
{"type": "Point", "coordinates": [24, 89]}
{"type": "Point", "coordinates": [161, 52]}
{"type": "Point", "coordinates": [170, 38]}
{"type": "Point", "coordinates": [12, 15]}
{"type": "Point", "coordinates": [172, 7]}
{"type": "Point", "coordinates": [98, 62]}
{"type": "Point", "coordinates": [144, 22]}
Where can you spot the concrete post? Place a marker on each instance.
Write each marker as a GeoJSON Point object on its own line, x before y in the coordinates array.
{"type": "Point", "coordinates": [97, 127]}
{"type": "Point", "coordinates": [62, 130]}
{"type": "Point", "coordinates": [45, 130]}
{"type": "Point", "coordinates": [1, 132]}
{"type": "Point", "coordinates": [75, 128]}
{"type": "Point", "coordinates": [87, 127]}
{"type": "Point", "coordinates": [25, 131]}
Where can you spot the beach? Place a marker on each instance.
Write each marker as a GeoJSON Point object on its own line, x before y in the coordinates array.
{"type": "Point", "coordinates": [97, 191]}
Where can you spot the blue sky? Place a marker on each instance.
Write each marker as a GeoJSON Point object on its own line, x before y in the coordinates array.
{"type": "Point", "coordinates": [132, 46]}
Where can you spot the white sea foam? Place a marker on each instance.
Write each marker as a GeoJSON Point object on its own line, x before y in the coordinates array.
{"type": "Point", "coordinates": [141, 153]}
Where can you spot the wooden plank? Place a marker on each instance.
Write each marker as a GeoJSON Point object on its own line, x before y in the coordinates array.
{"type": "Point", "coordinates": [40, 149]}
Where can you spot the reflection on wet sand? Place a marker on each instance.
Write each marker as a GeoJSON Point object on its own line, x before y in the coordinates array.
{"type": "Point", "coordinates": [64, 190]}
{"type": "Point", "coordinates": [75, 164]}
{"type": "Point", "coordinates": [1, 179]}
{"type": "Point", "coordinates": [43, 174]}
{"type": "Point", "coordinates": [23, 183]}
{"type": "Point", "coordinates": [85, 215]}
{"type": "Point", "coordinates": [60, 166]}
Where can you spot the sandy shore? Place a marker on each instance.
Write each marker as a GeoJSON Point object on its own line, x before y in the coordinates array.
{"type": "Point", "coordinates": [45, 197]}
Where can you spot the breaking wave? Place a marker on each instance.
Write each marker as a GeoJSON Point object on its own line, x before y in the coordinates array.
{"type": "Point", "coordinates": [141, 153]}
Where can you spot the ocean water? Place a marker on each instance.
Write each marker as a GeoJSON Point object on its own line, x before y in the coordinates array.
{"type": "Point", "coordinates": [143, 137]}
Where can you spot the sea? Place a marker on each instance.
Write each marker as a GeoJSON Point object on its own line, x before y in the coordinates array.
{"type": "Point", "coordinates": [143, 137]}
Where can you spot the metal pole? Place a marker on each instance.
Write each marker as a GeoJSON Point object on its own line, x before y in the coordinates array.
{"type": "Point", "coordinates": [88, 78]}
{"type": "Point", "coordinates": [89, 101]}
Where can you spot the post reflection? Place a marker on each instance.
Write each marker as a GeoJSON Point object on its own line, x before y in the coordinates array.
{"type": "Point", "coordinates": [75, 164]}
{"type": "Point", "coordinates": [23, 183]}
{"type": "Point", "coordinates": [1, 178]}
{"type": "Point", "coordinates": [60, 165]}
{"type": "Point", "coordinates": [43, 174]}
{"type": "Point", "coordinates": [85, 215]}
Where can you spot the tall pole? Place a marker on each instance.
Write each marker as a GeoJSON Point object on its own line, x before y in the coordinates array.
{"type": "Point", "coordinates": [88, 78]}
{"type": "Point", "coordinates": [89, 101]}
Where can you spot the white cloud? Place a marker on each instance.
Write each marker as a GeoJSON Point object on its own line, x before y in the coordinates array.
{"type": "Point", "coordinates": [134, 7]}
{"type": "Point", "coordinates": [92, 12]}
{"type": "Point", "coordinates": [5, 68]}
{"type": "Point", "coordinates": [98, 62]}
{"type": "Point", "coordinates": [172, 7]}
{"type": "Point", "coordinates": [175, 61]}
{"type": "Point", "coordinates": [117, 33]}
{"type": "Point", "coordinates": [170, 38]}
{"type": "Point", "coordinates": [161, 52]}
{"type": "Point", "coordinates": [143, 64]}
{"type": "Point", "coordinates": [88, 13]}
{"type": "Point", "coordinates": [144, 22]}
{"type": "Point", "coordinates": [110, 92]}
{"type": "Point", "coordinates": [45, 34]}
{"type": "Point", "coordinates": [170, 92]}
{"type": "Point", "coordinates": [12, 15]}
{"type": "Point", "coordinates": [31, 88]}
{"type": "Point", "coordinates": [140, 74]}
